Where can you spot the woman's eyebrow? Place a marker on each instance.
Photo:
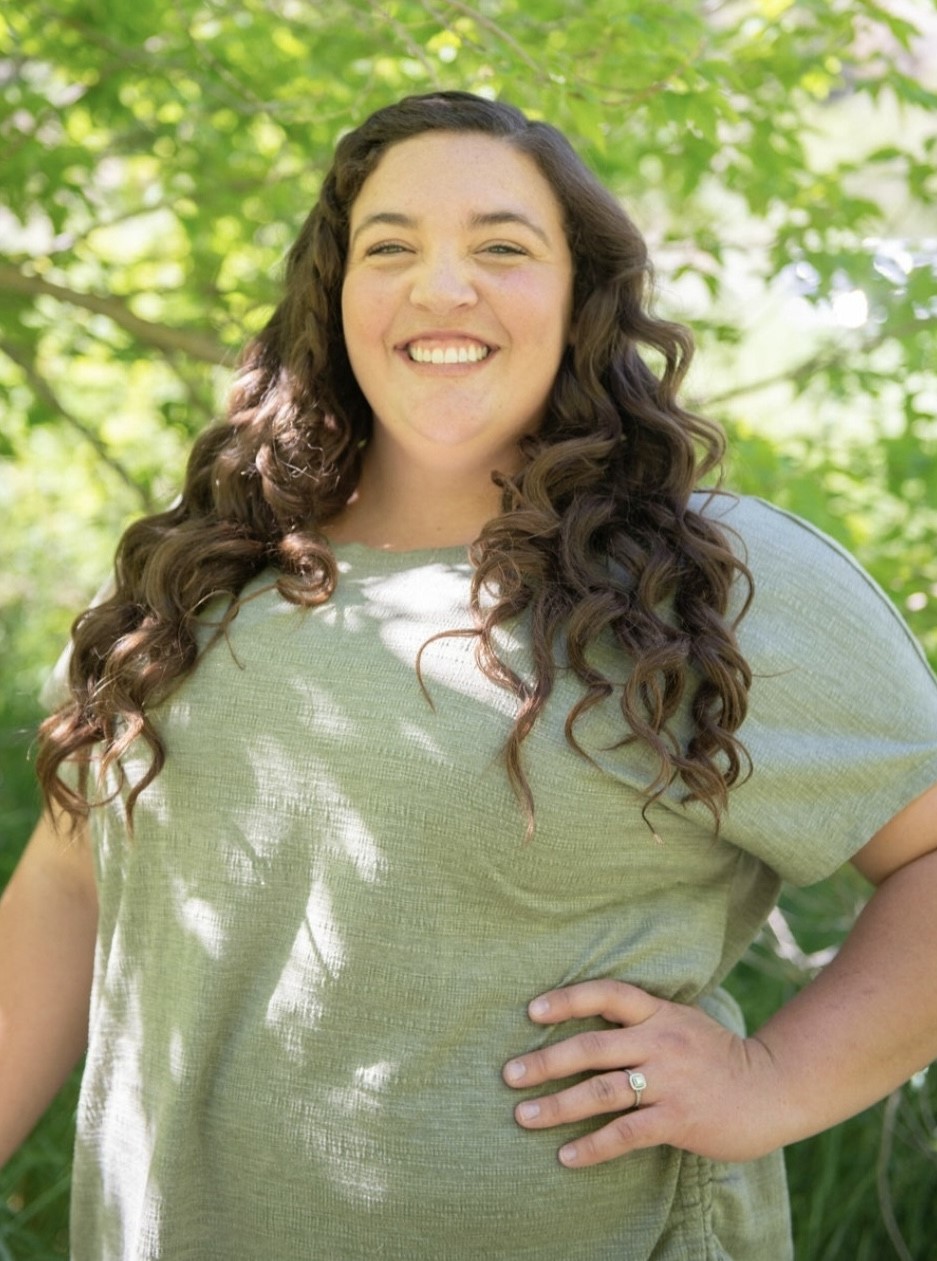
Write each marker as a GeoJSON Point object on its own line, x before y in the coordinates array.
{"type": "Point", "coordinates": [383, 216]}
{"type": "Point", "coordinates": [486, 219]}
{"type": "Point", "coordinates": [494, 218]}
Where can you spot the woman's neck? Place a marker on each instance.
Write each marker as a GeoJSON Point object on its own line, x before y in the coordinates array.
{"type": "Point", "coordinates": [409, 507]}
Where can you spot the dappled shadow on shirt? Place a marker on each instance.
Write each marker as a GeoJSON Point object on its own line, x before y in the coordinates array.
{"type": "Point", "coordinates": [315, 954]}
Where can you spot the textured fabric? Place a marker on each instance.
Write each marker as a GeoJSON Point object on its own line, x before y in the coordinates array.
{"type": "Point", "coordinates": [314, 956]}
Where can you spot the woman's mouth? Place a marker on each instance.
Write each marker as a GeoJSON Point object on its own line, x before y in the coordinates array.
{"type": "Point", "coordinates": [447, 352]}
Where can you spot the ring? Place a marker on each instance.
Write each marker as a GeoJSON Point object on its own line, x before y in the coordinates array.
{"type": "Point", "coordinates": [638, 1083]}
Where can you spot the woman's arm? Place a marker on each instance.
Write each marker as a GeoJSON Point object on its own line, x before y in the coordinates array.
{"type": "Point", "coordinates": [858, 1030]}
{"type": "Point", "coordinates": [48, 922]}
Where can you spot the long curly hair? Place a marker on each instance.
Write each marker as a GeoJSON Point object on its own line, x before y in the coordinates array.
{"type": "Point", "coordinates": [596, 536]}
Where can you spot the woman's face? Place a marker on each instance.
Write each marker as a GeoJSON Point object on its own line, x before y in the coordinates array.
{"type": "Point", "coordinates": [457, 299]}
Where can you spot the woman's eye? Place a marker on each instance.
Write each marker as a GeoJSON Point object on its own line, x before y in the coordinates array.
{"type": "Point", "coordinates": [385, 247]}
{"type": "Point", "coordinates": [501, 247]}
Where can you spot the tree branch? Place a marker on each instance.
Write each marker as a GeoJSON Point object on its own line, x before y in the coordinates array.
{"type": "Point", "coordinates": [492, 28]}
{"type": "Point", "coordinates": [789, 376]}
{"type": "Point", "coordinates": [44, 392]}
{"type": "Point", "coordinates": [159, 336]}
{"type": "Point", "coordinates": [68, 242]}
{"type": "Point", "coordinates": [410, 44]}
{"type": "Point", "coordinates": [829, 357]}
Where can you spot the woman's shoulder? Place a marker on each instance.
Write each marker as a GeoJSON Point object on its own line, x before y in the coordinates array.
{"type": "Point", "coordinates": [805, 582]}
{"type": "Point", "coordinates": [775, 542]}
{"type": "Point", "coordinates": [763, 529]}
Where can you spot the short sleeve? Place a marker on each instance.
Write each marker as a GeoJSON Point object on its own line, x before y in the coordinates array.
{"type": "Point", "coordinates": [55, 691]}
{"type": "Point", "coordinates": [842, 721]}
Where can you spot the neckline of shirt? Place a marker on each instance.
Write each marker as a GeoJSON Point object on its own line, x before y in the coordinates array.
{"type": "Point", "coordinates": [393, 556]}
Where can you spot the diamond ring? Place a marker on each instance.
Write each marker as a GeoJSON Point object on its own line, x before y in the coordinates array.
{"type": "Point", "coordinates": [637, 1082]}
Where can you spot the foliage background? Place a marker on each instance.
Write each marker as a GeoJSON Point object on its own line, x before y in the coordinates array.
{"type": "Point", "coordinates": [157, 160]}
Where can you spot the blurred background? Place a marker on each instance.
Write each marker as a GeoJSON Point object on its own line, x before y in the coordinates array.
{"type": "Point", "coordinates": [156, 160]}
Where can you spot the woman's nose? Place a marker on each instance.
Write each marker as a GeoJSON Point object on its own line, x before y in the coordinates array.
{"type": "Point", "coordinates": [443, 283]}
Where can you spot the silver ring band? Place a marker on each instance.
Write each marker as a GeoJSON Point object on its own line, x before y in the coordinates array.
{"type": "Point", "coordinates": [638, 1083]}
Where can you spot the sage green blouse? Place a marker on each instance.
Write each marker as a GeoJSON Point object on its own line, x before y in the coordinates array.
{"type": "Point", "coordinates": [315, 954]}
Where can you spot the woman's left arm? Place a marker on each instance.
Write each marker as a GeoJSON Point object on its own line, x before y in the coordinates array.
{"type": "Point", "coordinates": [864, 1025]}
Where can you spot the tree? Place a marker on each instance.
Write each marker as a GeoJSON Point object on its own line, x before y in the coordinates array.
{"type": "Point", "coordinates": [160, 157]}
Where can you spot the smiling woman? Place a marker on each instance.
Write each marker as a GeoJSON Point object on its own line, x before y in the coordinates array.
{"type": "Point", "coordinates": [434, 758]}
{"type": "Point", "coordinates": [456, 311]}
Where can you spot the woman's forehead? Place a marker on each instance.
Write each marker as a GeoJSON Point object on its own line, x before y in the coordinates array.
{"type": "Point", "coordinates": [483, 177]}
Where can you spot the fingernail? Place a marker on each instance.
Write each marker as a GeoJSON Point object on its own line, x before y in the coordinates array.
{"type": "Point", "coordinates": [515, 1070]}
{"type": "Point", "coordinates": [528, 1111]}
{"type": "Point", "coordinates": [539, 1007]}
{"type": "Point", "coordinates": [568, 1155]}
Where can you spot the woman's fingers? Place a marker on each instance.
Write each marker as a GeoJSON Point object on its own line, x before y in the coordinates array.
{"type": "Point", "coordinates": [605, 1092]}
{"type": "Point", "coordinates": [619, 1090]}
{"type": "Point", "coordinates": [615, 1001]}
{"type": "Point", "coordinates": [627, 1133]}
{"type": "Point", "coordinates": [702, 1087]}
{"type": "Point", "coordinates": [594, 1050]}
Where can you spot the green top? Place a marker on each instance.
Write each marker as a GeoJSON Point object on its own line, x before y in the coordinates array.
{"type": "Point", "coordinates": [315, 955]}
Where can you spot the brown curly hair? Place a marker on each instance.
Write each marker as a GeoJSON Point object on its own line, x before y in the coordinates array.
{"type": "Point", "coordinates": [596, 535]}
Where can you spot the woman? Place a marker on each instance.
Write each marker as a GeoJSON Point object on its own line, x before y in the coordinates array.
{"type": "Point", "coordinates": [443, 691]}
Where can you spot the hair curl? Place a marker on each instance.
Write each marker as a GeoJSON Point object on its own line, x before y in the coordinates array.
{"type": "Point", "coordinates": [596, 536]}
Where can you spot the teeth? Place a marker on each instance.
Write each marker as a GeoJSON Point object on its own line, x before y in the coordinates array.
{"type": "Point", "coordinates": [448, 354]}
